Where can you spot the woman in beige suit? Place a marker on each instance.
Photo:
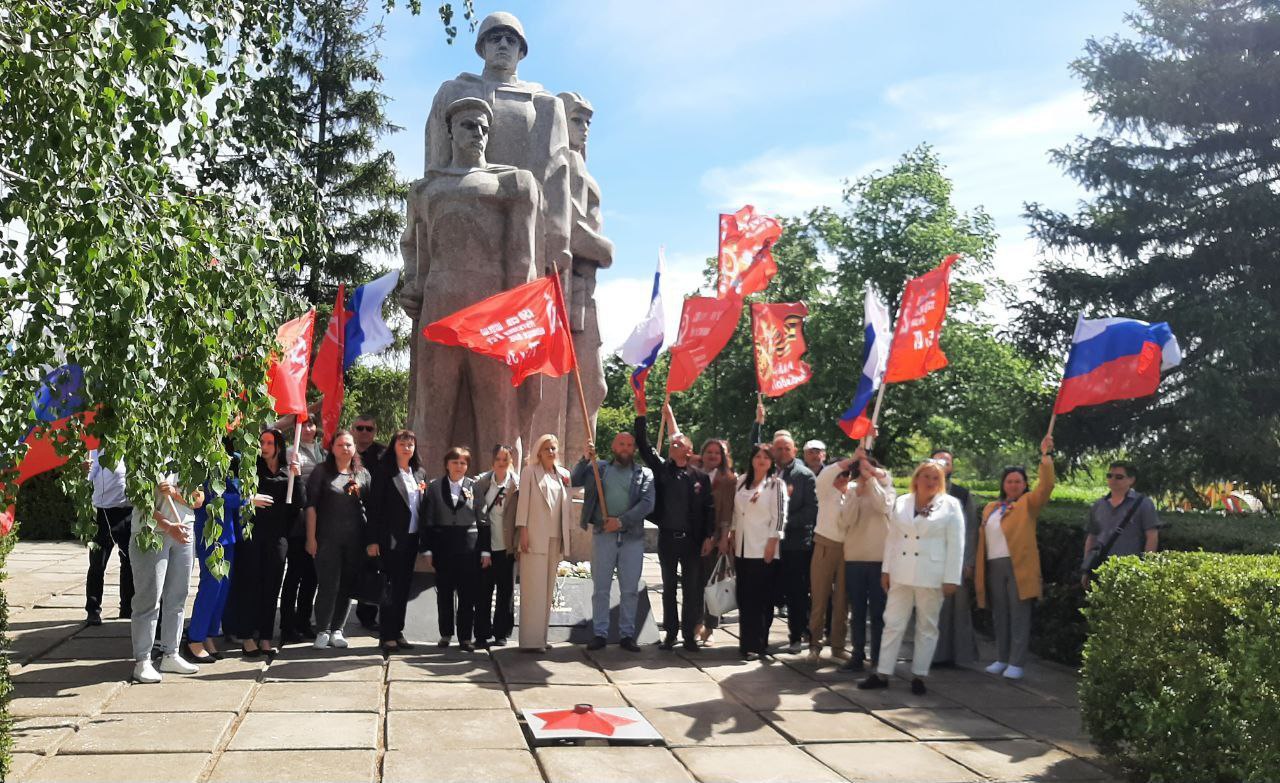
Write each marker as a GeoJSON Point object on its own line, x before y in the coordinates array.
{"type": "Point", "coordinates": [542, 519]}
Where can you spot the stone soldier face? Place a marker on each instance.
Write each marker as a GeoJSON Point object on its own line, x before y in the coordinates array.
{"type": "Point", "coordinates": [470, 130]}
{"type": "Point", "coordinates": [501, 49]}
{"type": "Point", "coordinates": [579, 128]}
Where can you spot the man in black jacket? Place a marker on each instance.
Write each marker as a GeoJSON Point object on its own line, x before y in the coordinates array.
{"type": "Point", "coordinates": [364, 431]}
{"type": "Point", "coordinates": [685, 516]}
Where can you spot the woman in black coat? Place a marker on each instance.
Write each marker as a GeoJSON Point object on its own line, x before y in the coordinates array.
{"type": "Point", "coordinates": [392, 532]}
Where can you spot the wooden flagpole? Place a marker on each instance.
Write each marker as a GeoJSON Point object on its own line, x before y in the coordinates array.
{"type": "Point", "coordinates": [869, 441]}
{"type": "Point", "coordinates": [562, 315]}
{"type": "Point", "coordinates": [662, 424]}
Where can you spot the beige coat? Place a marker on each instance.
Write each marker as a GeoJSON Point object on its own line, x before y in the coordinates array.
{"type": "Point", "coordinates": [534, 505]}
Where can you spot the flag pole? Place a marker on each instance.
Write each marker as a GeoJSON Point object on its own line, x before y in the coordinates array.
{"type": "Point", "coordinates": [297, 447]}
{"type": "Point", "coordinates": [869, 441]}
{"type": "Point", "coordinates": [662, 424]}
{"type": "Point", "coordinates": [562, 315]}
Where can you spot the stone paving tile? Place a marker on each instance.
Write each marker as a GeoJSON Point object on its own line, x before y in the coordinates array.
{"type": "Point", "coordinates": [121, 768]}
{"type": "Point", "coordinates": [553, 668]}
{"type": "Point", "coordinates": [528, 697]}
{"type": "Point", "coordinates": [306, 731]}
{"type": "Point", "coordinates": [766, 695]}
{"type": "Point", "coordinates": [890, 762]}
{"type": "Point", "coordinates": [297, 766]}
{"type": "Point", "coordinates": [42, 735]}
{"type": "Point", "coordinates": [454, 730]}
{"type": "Point", "coordinates": [617, 765]}
{"type": "Point", "coordinates": [1018, 760]}
{"type": "Point", "coordinates": [992, 693]}
{"type": "Point", "coordinates": [447, 696]}
{"type": "Point", "coordinates": [443, 668]}
{"type": "Point", "coordinates": [898, 694]}
{"type": "Point", "coordinates": [673, 695]}
{"type": "Point", "coordinates": [149, 733]}
{"type": "Point", "coordinates": [62, 601]}
{"type": "Point", "coordinates": [177, 695]}
{"type": "Point", "coordinates": [805, 726]}
{"type": "Point", "coordinates": [317, 697]}
{"type": "Point", "coordinates": [110, 628]}
{"type": "Point", "coordinates": [347, 668]}
{"type": "Point", "coordinates": [1058, 726]}
{"type": "Point", "coordinates": [722, 723]}
{"type": "Point", "coordinates": [232, 667]}
{"type": "Point", "coordinates": [86, 649]}
{"type": "Point", "coordinates": [460, 766]}
{"type": "Point", "coordinates": [755, 765]}
{"type": "Point", "coordinates": [946, 724]}
{"type": "Point", "coordinates": [622, 666]}
{"type": "Point", "coordinates": [22, 764]}
{"type": "Point", "coordinates": [31, 700]}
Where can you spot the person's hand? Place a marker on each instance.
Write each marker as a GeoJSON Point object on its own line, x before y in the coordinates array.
{"type": "Point", "coordinates": [669, 414]}
{"type": "Point", "coordinates": [708, 545]}
{"type": "Point", "coordinates": [166, 489]}
{"type": "Point", "coordinates": [591, 450]}
{"type": "Point", "coordinates": [1046, 445]}
{"type": "Point", "coordinates": [759, 411]}
{"type": "Point", "coordinates": [262, 502]}
{"type": "Point", "coordinates": [726, 543]}
{"type": "Point", "coordinates": [770, 550]}
{"type": "Point", "coordinates": [884, 582]}
{"type": "Point", "coordinates": [197, 498]}
{"type": "Point", "coordinates": [373, 550]}
{"type": "Point", "coordinates": [968, 573]}
{"type": "Point", "coordinates": [486, 561]}
{"type": "Point", "coordinates": [179, 533]}
{"type": "Point", "coordinates": [524, 539]}
{"type": "Point", "coordinates": [949, 589]}
{"type": "Point", "coordinates": [612, 525]}
{"type": "Point", "coordinates": [642, 407]}
{"type": "Point", "coordinates": [312, 547]}
{"type": "Point", "coordinates": [430, 561]}
{"type": "Point", "coordinates": [295, 468]}
{"type": "Point", "coordinates": [859, 454]}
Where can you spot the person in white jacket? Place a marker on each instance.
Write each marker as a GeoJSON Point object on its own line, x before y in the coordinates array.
{"type": "Point", "coordinates": [923, 555]}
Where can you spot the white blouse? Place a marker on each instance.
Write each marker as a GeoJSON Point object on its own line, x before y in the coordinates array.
{"type": "Point", "coordinates": [759, 514]}
{"type": "Point", "coordinates": [997, 546]}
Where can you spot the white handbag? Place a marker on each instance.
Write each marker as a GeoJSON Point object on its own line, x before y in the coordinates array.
{"type": "Point", "coordinates": [720, 596]}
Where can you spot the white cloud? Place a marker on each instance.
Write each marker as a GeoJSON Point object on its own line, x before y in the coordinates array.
{"type": "Point", "coordinates": [622, 301]}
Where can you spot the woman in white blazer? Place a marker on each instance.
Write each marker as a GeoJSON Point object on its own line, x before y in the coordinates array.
{"type": "Point", "coordinates": [923, 553]}
{"type": "Point", "coordinates": [759, 516]}
{"type": "Point", "coordinates": [543, 524]}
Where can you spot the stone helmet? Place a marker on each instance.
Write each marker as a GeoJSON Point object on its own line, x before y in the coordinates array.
{"type": "Point", "coordinates": [501, 19]}
{"type": "Point", "coordinates": [467, 104]}
{"type": "Point", "coordinates": [574, 102]}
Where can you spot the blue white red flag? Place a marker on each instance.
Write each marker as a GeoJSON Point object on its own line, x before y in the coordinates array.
{"type": "Point", "coordinates": [367, 332]}
{"type": "Point", "coordinates": [875, 359]}
{"type": "Point", "coordinates": [1115, 359]}
{"type": "Point", "coordinates": [645, 342]}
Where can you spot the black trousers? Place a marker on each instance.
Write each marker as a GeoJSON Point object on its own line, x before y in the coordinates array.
{"type": "Point", "coordinates": [796, 581]}
{"type": "Point", "coordinates": [255, 588]}
{"type": "Point", "coordinates": [758, 587]}
{"type": "Point", "coordinates": [496, 620]}
{"type": "Point", "coordinates": [299, 592]}
{"type": "Point", "coordinates": [682, 553]}
{"type": "Point", "coordinates": [113, 530]}
{"type": "Point", "coordinates": [367, 614]}
{"type": "Point", "coordinates": [457, 587]}
{"type": "Point", "coordinates": [867, 599]}
{"type": "Point", "coordinates": [398, 563]}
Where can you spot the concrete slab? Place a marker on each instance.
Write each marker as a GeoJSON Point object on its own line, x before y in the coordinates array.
{"type": "Point", "coordinates": [348, 668]}
{"type": "Point", "coordinates": [755, 765]}
{"type": "Point", "coordinates": [447, 696]}
{"type": "Point", "coordinates": [898, 694]}
{"type": "Point", "coordinates": [21, 765]}
{"type": "Point", "coordinates": [306, 731]}
{"type": "Point", "coordinates": [553, 668]}
{"type": "Point", "coordinates": [806, 726]}
{"type": "Point", "coordinates": [1018, 760]}
{"type": "Point", "coordinates": [530, 697]}
{"type": "Point", "coordinates": [890, 762]}
{"type": "Point", "coordinates": [92, 649]}
{"type": "Point", "coordinates": [43, 735]}
{"type": "Point", "coordinates": [991, 693]}
{"type": "Point", "coordinates": [784, 693]}
{"type": "Point", "coordinates": [178, 695]}
{"type": "Point", "coordinates": [723, 723]}
{"type": "Point", "coordinates": [460, 766]}
{"type": "Point", "coordinates": [647, 666]}
{"type": "Point", "coordinates": [317, 697]}
{"type": "Point", "coordinates": [617, 765]}
{"type": "Point", "coordinates": [443, 668]}
{"type": "Point", "coordinates": [297, 766]}
{"type": "Point", "coordinates": [948, 724]}
{"type": "Point", "coordinates": [454, 730]}
{"type": "Point", "coordinates": [121, 768]}
{"type": "Point", "coordinates": [72, 672]}
{"type": "Point", "coordinates": [149, 733]}
{"type": "Point", "coordinates": [1059, 726]}
{"type": "Point", "coordinates": [32, 700]}
{"type": "Point", "coordinates": [674, 695]}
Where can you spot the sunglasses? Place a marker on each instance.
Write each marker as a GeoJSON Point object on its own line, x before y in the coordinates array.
{"type": "Point", "coordinates": [1117, 476]}
{"type": "Point", "coordinates": [1013, 468]}
{"type": "Point", "coordinates": [364, 428]}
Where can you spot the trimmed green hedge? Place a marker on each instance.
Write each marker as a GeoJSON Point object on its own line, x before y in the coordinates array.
{"type": "Point", "coordinates": [45, 511]}
{"type": "Point", "coordinates": [1181, 680]}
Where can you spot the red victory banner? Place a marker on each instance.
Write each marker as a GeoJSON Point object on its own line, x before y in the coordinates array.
{"type": "Point", "coordinates": [524, 327]}
{"type": "Point", "coordinates": [706, 325]}
{"type": "Point", "coordinates": [746, 261]}
{"type": "Point", "coordinates": [915, 351]}
{"type": "Point", "coordinates": [287, 372]}
{"type": "Point", "coordinates": [327, 374]}
{"type": "Point", "coordinates": [778, 333]}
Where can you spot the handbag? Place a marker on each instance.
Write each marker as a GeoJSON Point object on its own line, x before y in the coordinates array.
{"type": "Point", "coordinates": [721, 593]}
{"type": "Point", "coordinates": [373, 586]}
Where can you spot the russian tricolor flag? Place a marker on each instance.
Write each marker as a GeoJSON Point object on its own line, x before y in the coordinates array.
{"type": "Point", "coordinates": [366, 331]}
{"type": "Point", "coordinates": [1115, 359]}
{"type": "Point", "coordinates": [875, 358]}
{"type": "Point", "coordinates": [645, 342]}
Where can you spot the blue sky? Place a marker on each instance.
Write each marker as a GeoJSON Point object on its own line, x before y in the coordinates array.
{"type": "Point", "coordinates": [703, 107]}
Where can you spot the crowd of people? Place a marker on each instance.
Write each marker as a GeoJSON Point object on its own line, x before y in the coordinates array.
{"type": "Point", "coordinates": [828, 545]}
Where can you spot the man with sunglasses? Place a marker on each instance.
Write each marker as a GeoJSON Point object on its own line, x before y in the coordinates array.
{"type": "Point", "coordinates": [1142, 531]}
{"type": "Point", "coordinates": [365, 432]}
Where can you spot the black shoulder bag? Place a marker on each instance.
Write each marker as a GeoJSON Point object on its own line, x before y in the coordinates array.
{"type": "Point", "coordinates": [1102, 549]}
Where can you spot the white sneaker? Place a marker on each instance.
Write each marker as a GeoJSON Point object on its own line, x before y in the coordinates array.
{"type": "Point", "coordinates": [145, 672]}
{"type": "Point", "coordinates": [997, 667]}
{"type": "Point", "coordinates": [1013, 673]}
{"type": "Point", "coordinates": [174, 664]}
{"type": "Point", "coordinates": [322, 640]}
{"type": "Point", "coordinates": [337, 639]}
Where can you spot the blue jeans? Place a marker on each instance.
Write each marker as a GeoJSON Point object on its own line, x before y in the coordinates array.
{"type": "Point", "coordinates": [610, 551]}
{"type": "Point", "coordinates": [866, 597]}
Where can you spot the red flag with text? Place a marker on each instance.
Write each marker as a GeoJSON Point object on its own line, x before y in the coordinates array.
{"type": "Point", "coordinates": [916, 351]}
{"type": "Point", "coordinates": [746, 260]}
{"type": "Point", "coordinates": [778, 334]}
{"type": "Point", "coordinates": [326, 375]}
{"type": "Point", "coordinates": [287, 372]}
{"type": "Point", "coordinates": [706, 325]}
{"type": "Point", "coordinates": [525, 327]}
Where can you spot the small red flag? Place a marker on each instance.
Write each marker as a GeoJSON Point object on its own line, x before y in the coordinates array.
{"type": "Point", "coordinates": [706, 325]}
{"type": "Point", "coordinates": [287, 372]}
{"type": "Point", "coordinates": [40, 455]}
{"type": "Point", "coordinates": [746, 260]}
{"type": "Point", "coordinates": [326, 375]}
{"type": "Point", "coordinates": [778, 334]}
{"type": "Point", "coordinates": [916, 351]}
{"type": "Point", "coordinates": [525, 327]}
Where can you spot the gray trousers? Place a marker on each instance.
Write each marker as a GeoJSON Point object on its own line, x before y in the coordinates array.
{"type": "Point", "coordinates": [338, 562]}
{"type": "Point", "coordinates": [160, 578]}
{"type": "Point", "coordinates": [1012, 617]}
{"type": "Point", "coordinates": [956, 640]}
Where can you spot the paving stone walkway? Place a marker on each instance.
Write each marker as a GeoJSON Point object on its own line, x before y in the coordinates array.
{"type": "Point", "coordinates": [347, 715]}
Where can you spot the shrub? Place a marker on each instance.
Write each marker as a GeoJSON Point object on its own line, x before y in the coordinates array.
{"type": "Point", "coordinates": [6, 688]}
{"type": "Point", "coordinates": [1180, 678]}
{"type": "Point", "coordinates": [44, 509]}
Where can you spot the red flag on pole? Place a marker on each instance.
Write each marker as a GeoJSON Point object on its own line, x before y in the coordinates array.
{"type": "Point", "coordinates": [326, 375]}
{"type": "Point", "coordinates": [40, 455]}
{"type": "Point", "coordinates": [746, 260]}
{"type": "Point", "coordinates": [706, 325]}
{"type": "Point", "coordinates": [287, 372]}
{"type": "Point", "coordinates": [915, 351]}
{"type": "Point", "coordinates": [525, 327]}
{"type": "Point", "coordinates": [778, 333]}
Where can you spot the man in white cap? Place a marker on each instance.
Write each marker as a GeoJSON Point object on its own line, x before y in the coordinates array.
{"type": "Point", "coordinates": [815, 456]}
